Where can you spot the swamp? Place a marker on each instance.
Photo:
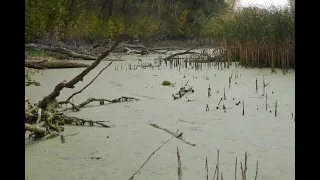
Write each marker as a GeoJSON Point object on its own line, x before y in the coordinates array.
{"type": "Point", "coordinates": [157, 89]}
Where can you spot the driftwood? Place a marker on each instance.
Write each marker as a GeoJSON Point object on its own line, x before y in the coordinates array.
{"type": "Point", "coordinates": [179, 136]}
{"type": "Point", "coordinates": [169, 58]}
{"type": "Point", "coordinates": [36, 129]}
{"type": "Point", "coordinates": [79, 121]}
{"type": "Point", "coordinates": [142, 52]}
{"type": "Point", "coordinates": [101, 101]}
{"type": "Point", "coordinates": [71, 84]}
{"type": "Point", "coordinates": [142, 48]}
{"type": "Point", "coordinates": [53, 64]}
{"type": "Point", "coordinates": [182, 92]}
{"type": "Point", "coordinates": [45, 110]}
{"type": "Point", "coordinates": [29, 83]}
{"type": "Point", "coordinates": [62, 51]}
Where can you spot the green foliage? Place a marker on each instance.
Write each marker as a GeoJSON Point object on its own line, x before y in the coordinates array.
{"type": "Point", "coordinates": [53, 19]}
{"type": "Point", "coordinates": [166, 83]}
{"type": "Point", "coordinates": [34, 53]}
{"type": "Point", "coordinates": [29, 72]}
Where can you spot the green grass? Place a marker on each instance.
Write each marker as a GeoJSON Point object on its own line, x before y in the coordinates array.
{"type": "Point", "coordinates": [35, 53]}
{"type": "Point", "coordinates": [41, 53]}
{"type": "Point", "coordinates": [166, 83]}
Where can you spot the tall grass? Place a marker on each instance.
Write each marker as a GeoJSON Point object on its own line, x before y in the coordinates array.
{"type": "Point", "coordinates": [256, 37]}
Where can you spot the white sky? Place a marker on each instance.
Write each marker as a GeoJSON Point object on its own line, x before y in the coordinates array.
{"type": "Point", "coordinates": [280, 3]}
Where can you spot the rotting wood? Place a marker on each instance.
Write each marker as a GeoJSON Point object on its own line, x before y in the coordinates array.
{"type": "Point", "coordinates": [54, 64]}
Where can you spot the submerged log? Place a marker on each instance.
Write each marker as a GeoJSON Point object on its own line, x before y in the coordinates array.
{"type": "Point", "coordinates": [62, 51]}
{"type": "Point", "coordinates": [53, 64]}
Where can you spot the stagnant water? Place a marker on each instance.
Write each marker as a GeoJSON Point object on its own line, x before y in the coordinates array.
{"type": "Point", "coordinates": [116, 153]}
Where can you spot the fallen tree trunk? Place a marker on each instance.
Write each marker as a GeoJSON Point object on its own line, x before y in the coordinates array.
{"type": "Point", "coordinates": [169, 58]}
{"type": "Point", "coordinates": [143, 48]}
{"type": "Point", "coordinates": [52, 64]}
{"type": "Point", "coordinates": [62, 51]}
{"type": "Point", "coordinates": [142, 52]}
{"type": "Point", "coordinates": [36, 129]}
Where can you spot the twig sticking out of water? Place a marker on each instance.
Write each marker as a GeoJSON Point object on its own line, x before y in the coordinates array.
{"type": "Point", "coordinates": [275, 112]}
{"type": "Point", "coordinates": [220, 101]}
{"type": "Point", "coordinates": [215, 172]}
{"type": "Point", "coordinates": [242, 108]}
{"type": "Point", "coordinates": [179, 165]}
{"type": "Point", "coordinates": [244, 171]}
{"type": "Point", "coordinates": [267, 102]}
{"type": "Point", "coordinates": [206, 168]}
{"type": "Point", "coordinates": [264, 86]}
{"type": "Point", "coordinates": [229, 81]}
{"type": "Point", "coordinates": [152, 155]}
{"type": "Point", "coordinates": [235, 171]}
{"type": "Point", "coordinates": [218, 166]}
{"type": "Point", "coordinates": [177, 136]}
{"type": "Point", "coordinates": [207, 107]}
{"type": "Point", "coordinates": [209, 91]}
{"type": "Point", "coordinates": [255, 178]}
{"type": "Point", "coordinates": [256, 85]}
{"type": "Point", "coordinates": [221, 176]}
{"type": "Point", "coordinates": [224, 93]}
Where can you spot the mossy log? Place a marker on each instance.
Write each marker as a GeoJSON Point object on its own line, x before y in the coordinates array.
{"type": "Point", "coordinates": [29, 83]}
{"type": "Point", "coordinates": [62, 51]}
{"type": "Point", "coordinates": [178, 136]}
{"type": "Point", "coordinates": [39, 131]}
{"type": "Point", "coordinates": [54, 64]}
{"type": "Point", "coordinates": [79, 121]}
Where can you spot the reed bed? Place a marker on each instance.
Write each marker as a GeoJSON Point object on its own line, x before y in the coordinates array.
{"type": "Point", "coordinates": [255, 37]}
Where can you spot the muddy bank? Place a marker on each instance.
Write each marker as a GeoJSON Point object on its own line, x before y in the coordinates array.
{"type": "Point", "coordinates": [90, 154]}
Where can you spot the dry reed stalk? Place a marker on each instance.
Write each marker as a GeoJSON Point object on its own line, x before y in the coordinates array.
{"type": "Point", "coordinates": [235, 171]}
{"type": "Point", "coordinates": [206, 168]}
{"type": "Point", "coordinates": [179, 165]}
{"type": "Point", "coordinates": [255, 178]}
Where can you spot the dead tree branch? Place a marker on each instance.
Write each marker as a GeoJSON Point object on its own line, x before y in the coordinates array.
{"type": "Point", "coordinates": [179, 136]}
{"type": "Point", "coordinates": [71, 84]}
{"type": "Point", "coordinates": [131, 178]}
{"type": "Point", "coordinates": [78, 92]}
